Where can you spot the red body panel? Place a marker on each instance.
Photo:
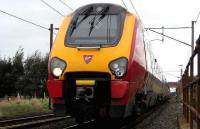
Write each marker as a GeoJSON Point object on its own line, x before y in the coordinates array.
{"type": "Point", "coordinates": [58, 101]}
{"type": "Point", "coordinates": [125, 91]}
{"type": "Point", "coordinates": [129, 91]}
{"type": "Point", "coordinates": [131, 60]}
{"type": "Point", "coordinates": [135, 74]}
{"type": "Point", "coordinates": [55, 88]}
{"type": "Point", "coordinates": [119, 89]}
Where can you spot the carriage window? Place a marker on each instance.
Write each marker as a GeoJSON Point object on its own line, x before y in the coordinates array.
{"type": "Point", "coordinates": [94, 30]}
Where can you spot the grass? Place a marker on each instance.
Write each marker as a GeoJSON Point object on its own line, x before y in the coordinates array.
{"type": "Point", "coordinates": [16, 107]}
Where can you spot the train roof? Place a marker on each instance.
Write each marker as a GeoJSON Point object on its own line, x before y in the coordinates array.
{"type": "Point", "coordinates": [106, 8]}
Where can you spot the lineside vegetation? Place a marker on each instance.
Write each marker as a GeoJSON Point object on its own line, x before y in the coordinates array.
{"type": "Point", "coordinates": [23, 77]}
{"type": "Point", "coordinates": [19, 107]}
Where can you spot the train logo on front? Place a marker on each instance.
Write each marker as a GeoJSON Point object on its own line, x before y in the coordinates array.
{"type": "Point", "coordinates": [87, 58]}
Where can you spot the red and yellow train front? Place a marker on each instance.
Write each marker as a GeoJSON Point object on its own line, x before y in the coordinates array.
{"type": "Point", "coordinates": [91, 62]}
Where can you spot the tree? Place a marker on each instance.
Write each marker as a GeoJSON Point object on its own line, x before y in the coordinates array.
{"type": "Point", "coordinates": [26, 77]}
{"type": "Point", "coordinates": [4, 70]}
{"type": "Point", "coordinates": [44, 73]}
{"type": "Point", "coordinates": [18, 70]}
{"type": "Point", "coordinates": [35, 74]}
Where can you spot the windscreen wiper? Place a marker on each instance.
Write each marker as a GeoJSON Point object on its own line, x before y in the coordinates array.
{"type": "Point", "coordinates": [74, 24]}
{"type": "Point", "coordinates": [92, 24]}
{"type": "Point", "coordinates": [87, 12]}
{"type": "Point", "coordinates": [103, 14]}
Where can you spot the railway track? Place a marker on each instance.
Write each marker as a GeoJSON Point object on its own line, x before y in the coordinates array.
{"type": "Point", "coordinates": [129, 123]}
{"type": "Point", "coordinates": [85, 125]}
{"type": "Point", "coordinates": [37, 121]}
{"type": "Point", "coordinates": [34, 121]}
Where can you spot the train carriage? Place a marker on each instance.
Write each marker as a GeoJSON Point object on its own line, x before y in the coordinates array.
{"type": "Point", "coordinates": [98, 65]}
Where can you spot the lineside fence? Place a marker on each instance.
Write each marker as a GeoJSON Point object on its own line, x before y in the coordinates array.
{"type": "Point", "coordinates": [191, 89]}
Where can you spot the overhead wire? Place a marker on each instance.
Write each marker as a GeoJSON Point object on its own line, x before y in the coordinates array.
{"type": "Point", "coordinates": [27, 21]}
{"type": "Point", "coordinates": [197, 17]}
{"type": "Point", "coordinates": [55, 10]}
{"type": "Point", "coordinates": [66, 5]}
{"type": "Point", "coordinates": [124, 4]}
{"type": "Point", "coordinates": [159, 28]}
{"type": "Point", "coordinates": [172, 71]}
{"type": "Point", "coordinates": [171, 74]}
{"type": "Point", "coordinates": [170, 37]}
{"type": "Point", "coordinates": [24, 20]}
{"type": "Point", "coordinates": [159, 33]}
{"type": "Point", "coordinates": [135, 10]}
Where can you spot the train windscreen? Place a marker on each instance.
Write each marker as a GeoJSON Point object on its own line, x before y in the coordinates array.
{"type": "Point", "coordinates": [94, 29]}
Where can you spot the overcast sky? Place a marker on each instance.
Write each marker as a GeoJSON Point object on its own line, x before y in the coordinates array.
{"type": "Point", "coordinates": [155, 13]}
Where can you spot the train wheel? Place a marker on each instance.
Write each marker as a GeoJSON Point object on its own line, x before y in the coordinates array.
{"type": "Point", "coordinates": [80, 119]}
{"type": "Point", "coordinates": [102, 116]}
{"type": "Point", "coordinates": [143, 107]}
{"type": "Point", "coordinates": [139, 108]}
{"type": "Point", "coordinates": [59, 109]}
{"type": "Point", "coordinates": [82, 111]}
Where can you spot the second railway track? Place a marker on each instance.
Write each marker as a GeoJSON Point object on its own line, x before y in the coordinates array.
{"type": "Point", "coordinates": [33, 121]}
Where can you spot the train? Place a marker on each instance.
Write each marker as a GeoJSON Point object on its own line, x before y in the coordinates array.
{"type": "Point", "coordinates": [100, 65]}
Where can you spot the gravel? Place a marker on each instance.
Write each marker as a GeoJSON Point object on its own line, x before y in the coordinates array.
{"type": "Point", "coordinates": [164, 118]}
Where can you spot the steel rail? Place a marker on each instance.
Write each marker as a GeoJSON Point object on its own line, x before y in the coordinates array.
{"type": "Point", "coordinates": [30, 121]}
{"type": "Point", "coordinates": [86, 124]}
{"type": "Point", "coordinates": [15, 120]}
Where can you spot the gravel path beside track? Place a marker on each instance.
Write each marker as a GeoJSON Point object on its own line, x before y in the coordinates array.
{"type": "Point", "coordinates": [163, 119]}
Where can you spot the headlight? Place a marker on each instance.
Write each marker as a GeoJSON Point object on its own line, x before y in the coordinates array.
{"type": "Point", "coordinates": [119, 67]}
{"type": "Point", "coordinates": [57, 66]}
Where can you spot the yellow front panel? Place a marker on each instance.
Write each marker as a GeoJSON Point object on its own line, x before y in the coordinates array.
{"type": "Point", "coordinates": [101, 58]}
